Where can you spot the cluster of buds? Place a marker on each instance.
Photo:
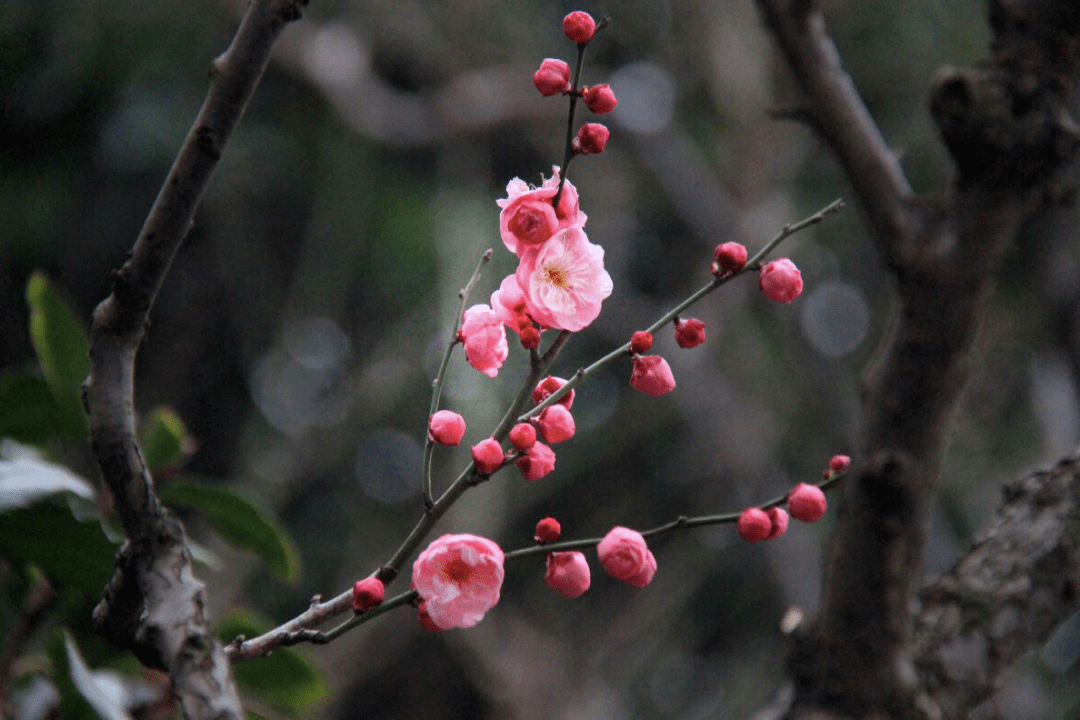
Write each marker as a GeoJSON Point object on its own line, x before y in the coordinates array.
{"type": "Point", "coordinates": [553, 78]}
{"type": "Point", "coordinates": [805, 503]}
{"type": "Point", "coordinates": [623, 554]}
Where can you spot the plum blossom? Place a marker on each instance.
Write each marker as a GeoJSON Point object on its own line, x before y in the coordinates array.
{"type": "Point", "coordinates": [537, 462]}
{"type": "Point", "coordinates": [626, 557]}
{"type": "Point", "coordinates": [522, 436]}
{"type": "Point", "coordinates": [689, 333]}
{"type": "Point", "coordinates": [779, 519]}
{"type": "Point", "coordinates": [652, 375]}
{"type": "Point", "coordinates": [367, 594]}
{"type": "Point", "coordinates": [568, 573]}
{"type": "Point", "coordinates": [579, 26]}
{"type": "Point", "coordinates": [553, 77]}
{"type": "Point", "coordinates": [548, 530]}
{"type": "Point", "coordinates": [754, 525]}
{"type": "Point", "coordinates": [487, 455]}
{"type": "Point", "coordinates": [806, 503]}
{"type": "Point", "coordinates": [508, 303]}
{"type": "Point", "coordinates": [549, 385]}
{"type": "Point", "coordinates": [459, 578]}
{"type": "Point", "coordinates": [564, 280]}
{"type": "Point", "coordinates": [484, 338]}
{"type": "Point", "coordinates": [556, 424]}
{"type": "Point", "coordinates": [528, 218]}
{"type": "Point", "coordinates": [780, 281]}
{"type": "Point", "coordinates": [446, 427]}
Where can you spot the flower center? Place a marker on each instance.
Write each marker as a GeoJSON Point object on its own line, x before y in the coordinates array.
{"type": "Point", "coordinates": [457, 571]}
{"type": "Point", "coordinates": [555, 275]}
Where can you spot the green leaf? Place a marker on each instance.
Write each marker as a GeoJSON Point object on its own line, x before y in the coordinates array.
{"type": "Point", "coordinates": [162, 439]}
{"type": "Point", "coordinates": [25, 480]}
{"type": "Point", "coordinates": [28, 412]}
{"type": "Point", "coordinates": [285, 678]}
{"type": "Point", "coordinates": [240, 521]}
{"type": "Point", "coordinates": [60, 342]}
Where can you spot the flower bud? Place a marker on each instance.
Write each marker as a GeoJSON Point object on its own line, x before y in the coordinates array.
{"type": "Point", "coordinates": [590, 140]}
{"type": "Point", "coordinates": [446, 427]}
{"type": "Point", "coordinates": [522, 436]}
{"type": "Point", "coordinates": [626, 557]}
{"type": "Point", "coordinates": [652, 375]}
{"type": "Point", "coordinates": [568, 573]}
{"type": "Point", "coordinates": [600, 98]}
{"type": "Point", "coordinates": [488, 456]}
{"type": "Point", "coordinates": [781, 281]}
{"type": "Point", "coordinates": [556, 424]}
{"type": "Point", "coordinates": [689, 333]}
{"type": "Point", "coordinates": [367, 593]}
{"type": "Point", "coordinates": [838, 464]}
{"type": "Point", "coordinates": [806, 503]}
{"type": "Point", "coordinates": [579, 26]}
{"type": "Point", "coordinates": [640, 342]}
{"type": "Point", "coordinates": [530, 337]}
{"type": "Point", "coordinates": [730, 257]}
{"type": "Point", "coordinates": [548, 531]}
{"type": "Point", "coordinates": [754, 525]}
{"type": "Point", "coordinates": [549, 385]}
{"type": "Point", "coordinates": [779, 519]}
{"type": "Point", "coordinates": [552, 78]}
{"type": "Point", "coordinates": [537, 462]}
{"type": "Point", "coordinates": [425, 620]}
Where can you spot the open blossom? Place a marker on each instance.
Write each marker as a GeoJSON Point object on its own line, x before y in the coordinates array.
{"type": "Point", "coordinates": [564, 280]}
{"type": "Point", "coordinates": [459, 578]}
{"type": "Point", "coordinates": [508, 304]}
{"type": "Point", "coordinates": [528, 218]}
{"type": "Point", "coordinates": [568, 573]}
{"type": "Point", "coordinates": [485, 339]}
{"type": "Point", "coordinates": [626, 557]}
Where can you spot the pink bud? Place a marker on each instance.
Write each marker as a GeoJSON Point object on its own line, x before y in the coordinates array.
{"type": "Point", "coordinates": [652, 375]}
{"type": "Point", "coordinates": [600, 99]}
{"type": "Point", "coordinates": [537, 462]}
{"type": "Point", "coordinates": [522, 436]}
{"type": "Point", "coordinates": [556, 424]}
{"type": "Point", "coordinates": [626, 557]}
{"type": "Point", "coordinates": [579, 26]}
{"type": "Point", "coordinates": [689, 333]}
{"type": "Point", "coordinates": [488, 456]}
{"type": "Point", "coordinates": [530, 337]}
{"type": "Point", "coordinates": [839, 464]}
{"type": "Point", "coordinates": [552, 78]}
{"type": "Point", "coordinates": [781, 281]}
{"type": "Point", "coordinates": [779, 519]}
{"type": "Point", "coordinates": [754, 525]}
{"type": "Point", "coordinates": [549, 385]}
{"type": "Point", "coordinates": [640, 342]}
{"type": "Point", "coordinates": [730, 257]}
{"type": "Point", "coordinates": [367, 593]}
{"type": "Point", "coordinates": [568, 573]}
{"type": "Point", "coordinates": [446, 427]}
{"type": "Point", "coordinates": [806, 503]}
{"type": "Point", "coordinates": [590, 140]}
{"type": "Point", "coordinates": [425, 619]}
{"type": "Point", "coordinates": [548, 531]}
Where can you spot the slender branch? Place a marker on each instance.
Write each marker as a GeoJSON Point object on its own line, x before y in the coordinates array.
{"type": "Point", "coordinates": [568, 150]}
{"type": "Point", "coordinates": [437, 384]}
{"type": "Point", "coordinates": [751, 265]}
{"type": "Point", "coordinates": [154, 605]}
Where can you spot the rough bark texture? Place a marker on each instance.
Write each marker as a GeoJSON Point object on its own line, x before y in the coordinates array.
{"type": "Point", "coordinates": [1011, 139]}
{"type": "Point", "coordinates": [154, 605]}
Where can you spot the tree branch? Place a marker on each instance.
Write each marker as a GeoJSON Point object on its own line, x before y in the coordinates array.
{"type": "Point", "coordinates": [154, 605]}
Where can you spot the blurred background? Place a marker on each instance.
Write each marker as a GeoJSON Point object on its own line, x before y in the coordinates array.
{"type": "Point", "coordinates": [302, 322]}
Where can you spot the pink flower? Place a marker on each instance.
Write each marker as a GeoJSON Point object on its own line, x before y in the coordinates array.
{"type": "Point", "coordinates": [806, 503]}
{"type": "Point", "coordinates": [459, 578]}
{"type": "Point", "coordinates": [754, 525]}
{"type": "Point", "coordinates": [488, 456]}
{"type": "Point", "coordinates": [591, 139]}
{"type": "Point", "coordinates": [547, 531]}
{"type": "Point", "coordinates": [425, 620]}
{"type": "Point", "coordinates": [781, 281]}
{"type": "Point", "coordinates": [528, 218]}
{"type": "Point", "coordinates": [568, 573]}
{"type": "Point", "coordinates": [367, 593]}
{"type": "Point", "coordinates": [652, 375]}
{"type": "Point", "coordinates": [730, 257]}
{"type": "Point", "coordinates": [446, 427]}
{"type": "Point", "coordinates": [537, 462]}
{"type": "Point", "coordinates": [579, 26]}
{"type": "Point", "coordinates": [640, 342]}
{"type": "Point", "coordinates": [552, 78]}
{"type": "Point", "coordinates": [522, 436]}
{"type": "Point", "coordinates": [556, 424]}
{"type": "Point", "coordinates": [508, 304]}
{"type": "Point", "coordinates": [779, 519]}
{"type": "Point", "coordinates": [626, 557]}
{"type": "Point", "coordinates": [689, 333]}
{"type": "Point", "coordinates": [549, 385]}
{"type": "Point", "coordinates": [600, 99]}
{"type": "Point", "coordinates": [564, 280]}
{"type": "Point", "coordinates": [484, 337]}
